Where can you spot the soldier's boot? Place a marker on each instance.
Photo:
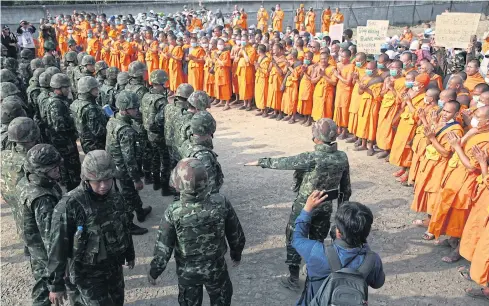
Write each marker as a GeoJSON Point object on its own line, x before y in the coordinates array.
{"type": "Point", "coordinates": [156, 182]}
{"type": "Point", "coordinates": [137, 230]}
{"type": "Point", "coordinates": [142, 213]}
{"type": "Point", "coordinates": [148, 178]}
{"type": "Point", "coordinates": [26, 251]}
{"type": "Point", "coordinates": [292, 281]}
{"type": "Point", "coordinates": [166, 191]}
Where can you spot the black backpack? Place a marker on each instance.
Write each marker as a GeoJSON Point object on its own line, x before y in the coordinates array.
{"type": "Point", "coordinates": [344, 286]}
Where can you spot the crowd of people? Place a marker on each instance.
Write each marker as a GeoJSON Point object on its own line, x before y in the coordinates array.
{"type": "Point", "coordinates": [106, 81]}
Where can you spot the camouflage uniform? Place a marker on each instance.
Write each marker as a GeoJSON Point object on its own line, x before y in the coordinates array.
{"type": "Point", "coordinates": [122, 80]}
{"type": "Point", "coordinates": [200, 146]}
{"type": "Point", "coordinates": [456, 63]}
{"type": "Point", "coordinates": [10, 92]}
{"type": "Point", "coordinates": [38, 195]}
{"type": "Point", "coordinates": [24, 65]}
{"type": "Point", "coordinates": [61, 131]}
{"type": "Point", "coordinates": [34, 90]}
{"type": "Point", "coordinates": [81, 71]}
{"type": "Point", "coordinates": [95, 256]}
{"type": "Point", "coordinates": [325, 168]}
{"type": "Point", "coordinates": [101, 71]}
{"type": "Point", "coordinates": [36, 63]}
{"type": "Point", "coordinates": [39, 105]}
{"type": "Point", "coordinates": [197, 227]}
{"type": "Point", "coordinates": [107, 90]}
{"type": "Point", "coordinates": [9, 111]}
{"type": "Point", "coordinates": [89, 117]}
{"type": "Point", "coordinates": [49, 61]}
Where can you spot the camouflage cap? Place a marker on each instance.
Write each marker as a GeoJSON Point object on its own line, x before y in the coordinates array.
{"type": "Point", "coordinates": [158, 77]}
{"type": "Point", "coordinates": [112, 73]}
{"type": "Point", "coordinates": [48, 60]}
{"type": "Point", "coordinates": [87, 83]}
{"type": "Point", "coordinates": [49, 45]}
{"type": "Point", "coordinates": [127, 100]}
{"type": "Point", "coordinates": [184, 90]}
{"type": "Point", "coordinates": [97, 166]}
{"type": "Point", "coordinates": [11, 63]}
{"type": "Point", "coordinates": [325, 130]}
{"type": "Point", "coordinates": [80, 57]}
{"type": "Point", "coordinates": [8, 89]}
{"type": "Point", "coordinates": [23, 129]}
{"type": "Point", "coordinates": [123, 78]}
{"type": "Point", "coordinates": [70, 57]}
{"type": "Point", "coordinates": [7, 76]}
{"type": "Point", "coordinates": [87, 60]}
{"type": "Point", "coordinates": [53, 70]}
{"type": "Point", "coordinates": [189, 175]}
{"type": "Point", "coordinates": [100, 65]}
{"type": "Point", "coordinates": [11, 110]}
{"type": "Point", "coordinates": [137, 69]}
{"type": "Point", "coordinates": [36, 63]}
{"type": "Point", "coordinates": [37, 73]}
{"type": "Point", "coordinates": [203, 124]}
{"type": "Point", "coordinates": [45, 79]}
{"type": "Point", "coordinates": [199, 99]}
{"type": "Point", "coordinates": [26, 53]}
{"type": "Point", "coordinates": [41, 159]}
{"type": "Point", "coordinates": [60, 80]}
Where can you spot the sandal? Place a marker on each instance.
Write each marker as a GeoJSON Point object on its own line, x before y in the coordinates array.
{"type": "Point", "coordinates": [428, 236]}
{"type": "Point", "coordinates": [464, 272]}
{"type": "Point", "coordinates": [454, 256]}
{"type": "Point", "coordinates": [443, 242]}
{"type": "Point", "coordinates": [399, 172]}
{"type": "Point", "coordinates": [403, 179]}
{"type": "Point", "coordinates": [478, 294]}
{"type": "Point", "coordinates": [421, 223]}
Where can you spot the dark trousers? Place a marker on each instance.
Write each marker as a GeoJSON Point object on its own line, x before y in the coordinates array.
{"type": "Point", "coordinates": [130, 195]}
{"type": "Point", "coordinates": [40, 292]}
{"type": "Point", "coordinates": [101, 285]}
{"type": "Point", "coordinates": [220, 293]}
{"type": "Point", "coordinates": [160, 162]}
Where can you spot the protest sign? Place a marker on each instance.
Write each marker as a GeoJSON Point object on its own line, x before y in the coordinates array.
{"type": "Point", "coordinates": [369, 40]}
{"type": "Point", "coordinates": [454, 30]}
{"type": "Point", "coordinates": [382, 25]}
{"type": "Point", "coordinates": [336, 32]}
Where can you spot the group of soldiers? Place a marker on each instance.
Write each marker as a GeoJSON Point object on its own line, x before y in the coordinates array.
{"type": "Point", "coordinates": [79, 240]}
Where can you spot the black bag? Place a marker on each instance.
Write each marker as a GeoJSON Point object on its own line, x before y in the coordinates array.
{"type": "Point", "coordinates": [344, 286]}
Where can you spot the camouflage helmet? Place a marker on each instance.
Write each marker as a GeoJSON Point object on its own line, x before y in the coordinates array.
{"type": "Point", "coordinates": [203, 124]}
{"type": "Point", "coordinates": [190, 175]}
{"type": "Point", "coordinates": [8, 89]}
{"type": "Point", "coordinates": [80, 57]}
{"type": "Point", "coordinates": [49, 46]}
{"type": "Point", "coordinates": [11, 64]}
{"type": "Point", "coordinates": [11, 110]}
{"type": "Point", "coordinates": [36, 63]}
{"type": "Point", "coordinates": [23, 129]}
{"type": "Point", "coordinates": [87, 83]}
{"type": "Point", "coordinates": [26, 53]}
{"type": "Point", "coordinates": [100, 65]}
{"type": "Point", "coordinates": [60, 80]}
{"type": "Point", "coordinates": [184, 90]}
{"type": "Point", "coordinates": [45, 79]}
{"type": "Point", "coordinates": [199, 99]}
{"type": "Point", "coordinates": [158, 77]}
{"type": "Point", "coordinates": [71, 57]}
{"type": "Point", "coordinates": [97, 166]}
{"type": "Point", "coordinates": [48, 60]}
{"type": "Point", "coordinates": [15, 98]}
{"type": "Point", "coordinates": [53, 70]}
{"type": "Point", "coordinates": [112, 73]}
{"type": "Point", "coordinates": [123, 78]}
{"type": "Point", "coordinates": [137, 69]}
{"type": "Point", "coordinates": [87, 60]}
{"type": "Point", "coordinates": [127, 100]}
{"type": "Point", "coordinates": [325, 130]}
{"type": "Point", "coordinates": [7, 76]}
{"type": "Point", "coordinates": [41, 159]}
{"type": "Point", "coordinates": [37, 73]}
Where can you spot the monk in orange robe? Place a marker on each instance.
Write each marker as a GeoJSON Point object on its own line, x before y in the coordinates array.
{"type": "Point", "coordinates": [278, 19]}
{"type": "Point", "coordinates": [209, 78]}
{"type": "Point", "coordinates": [337, 17]}
{"type": "Point", "coordinates": [196, 65]}
{"type": "Point", "coordinates": [306, 90]}
{"type": "Point", "coordinates": [115, 49]}
{"type": "Point", "coordinates": [316, 52]}
{"type": "Point", "coordinates": [125, 53]}
{"type": "Point", "coordinates": [93, 45]}
{"type": "Point", "coordinates": [325, 82]}
{"type": "Point", "coordinates": [310, 22]}
{"type": "Point", "coordinates": [300, 16]}
{"type": "Point", "coordinates": [325, 20]}
{"type": "Point", "coordinates": [234, 78]}
{"type": "Point", "coordinates": [459, 182]}
{"type": "Point", "coordinates": [175, 55]}
{"type": "Point", "coordinates": [261, 79]}
{"type": "Point", "coordinates": [222, 62]}
{"type": "Point", "coordinates": [151, 49]}
{"type": "Point", "coordinates": [290, 84]}
{"type": "Point", "coordinates": [262, 19]}
{"type": "Point", "coordinates": [162, 51]}
{"type": "Point", "coordinates": [473, 75]}
{"type": "Point", "coordinates": [244, 19]}
{"type": "Point", "coordinates": [401, 151]}
{"type": "Point", "coordinates": [245, 72]}
{"type": "Point", "coordinates": [407, 34]}
{"type": "Point", "coordinates": [299, 46]}
{"type": "Point", "coordinates": [394, 87]}
{"type": "Point", "coordinates": [408, 63]}
{"type": "Point", "coordinates": [369, 90]}
{"type": "Point", "coordinates": [138, 47]}
{"type": "Point", "coordinates": [359, 73]}
{"type": "Point", "coordinates": [105, 43]}
{"type": "Point", "coordinates": [276, 70]}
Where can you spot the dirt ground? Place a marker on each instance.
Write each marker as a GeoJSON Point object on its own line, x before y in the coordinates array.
{"type": "Point", "coordinates": [262, 199]}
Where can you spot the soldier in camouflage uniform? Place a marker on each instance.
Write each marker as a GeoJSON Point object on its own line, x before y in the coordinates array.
{"type": "Point", "coordinates": [89, 117]}
{"type": "Point", "coordinates": [49, 61]}
{"type": "Point", "coordinates": [36, 63]}
{"type": "Point", "coordinates": [197, 227]}
{"type": "Point", "coordinates": [8, 76]}
{"type": "Point", "coordinates": [38, 194]}
{"type": "Point", "coordinates": [199, 145]}
{"type": "Point", "coordinates": [121, 144]}
{"type": "Point", "coordinates": [39, 106]}
{"type": "Point", "coordinates": [34, 90]}
{"type": "Point", "coordinates": [122, 81]}
{"type": "Point", "coordinates": [324, 169]}
{"type": "Point", "coordinates": [69, 63]}
{"type": "Point", "coordinates": [86, 68]}
{"type": "Point", "coordinates": [80, 56]}
{"type": "Point", "coordinates": [61, 130]}
{"type": "Point", "coordinates": [24, 65]}
{"type": "Point", "coordinates": [101, 71]}
{"type": "Point", "coordinates": [89, 226]}
{"type": "Point", "coordinates": [10, 92]}
{"type": "Point", "coordinates": [153, 102]}
{"type": "Point", "coordinates": [107, 90]}
{"type": "Point", "coordinates": [53, 70]}
{"type": "Point", "coordinates": [9, 111]}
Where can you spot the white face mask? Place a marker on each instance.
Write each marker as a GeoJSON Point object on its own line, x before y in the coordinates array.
{"type": "Point", "coordinates": [425, 99]}
{"type": "Point", "coordinates": [480, 104]}
{"type": "Point", "coordinates": [474, 122]}
{"type": "Point", "coordinates": [416, 88]}
{"type": "Point", "coordinates": [220, 47]}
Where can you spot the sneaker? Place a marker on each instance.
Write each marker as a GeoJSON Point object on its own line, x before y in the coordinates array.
{"type": "Point", "coordinates": [143, 212]}
{"type": "Point", "coordinates": [290, 283]}
{"type": "Point", "coordinates": [137, 230]}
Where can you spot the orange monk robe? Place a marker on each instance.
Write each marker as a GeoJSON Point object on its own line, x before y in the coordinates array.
{"type": "Point", "coordinates": [105, 50]}
{"type": "Point", "coordinates": [438, 80]}
{"type": "Point", "coordinates": [368, 112]}
{"type": "Point", "coordinates": [337, 18]}
{"type": "Point", "coordinates": [454, 200]}
{"type": "Point", "coordinates": [306, 91]}
{"type": "Point", "coordinates": [401, 152]}
{"type": "Point", "coordinates": [310, 23]}
{"type": "Point", "coordinates": [278, 19]}
{"type": "Point", "coordinates": [291, 92]}
{"type": "Point", "coordinates": [262, 19]}
{"type": "Point", "coordinates": [196, 23]}
{"type": "Point", "coordinates": [120, 27]}
{"type": "Point", "coordinates": [316, 57]}
{"type": "Point", "coordinates": [325, 20]}
{"type": "Point", "coordinates": [431, 170]}
{"type": "Point", "coordinates": [299, 19]}
{"type": "Point", "coordinates": [79, 37]}
{"type": "Point", "coordinates": [355, 101]}
{"type": "Point", "coordinates": [406, 36]}
{"type": "Point", "coordinates": [388, 109]}
{"type": "Point", "coordinates": [245, 71]}
{"type": "Point", "coordinates": [323, 96]}
{"type": "Point", "coordinates": [343, 96]}
{"type": "Point", "coordinates": [152, 59]}
{"type": "Point", "coordinates": [223, 87]}
{"type": "Point", "coordinates": [209, 76]}
{"type": "Point", "coordinates": [115, 60]}
{"type": "Point", "coordinates": [472, 81]}
{"type": "Point", "coordinates": [84, 26]}
{"type": "Point", "coordinates": [479, 266]}
{"type": "Point", "coordinates": [164, 60]}
{"type": "Point", "coordinates": [38, 50]}
{"type": "Point", "coordinates": [175, 67]}
{"type": "Point", "coordinates": [93, 48]}
{"type": "Point", "coordinates": [196, 69]}
{"type": "Point", "coordinates": [244, 21]}
{"type": "Point", "coordinates": [234, 67]}
{"type": "Point", "coordinates": [62, 43]}
{"type": "Point", "coordinates": [406, 71]}
{"type": "Point", "coordinates": [125, 55]}
{"type": "Point", "coordinates": [138, 51]}
{"type": "Point", "coordinates": [275, 78]}
{"type": "Point", "coordinates": [261, 82]}
{"type": "Point", "coordinates": [300, 55]}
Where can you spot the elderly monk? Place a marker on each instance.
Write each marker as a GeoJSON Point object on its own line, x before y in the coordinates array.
{"type": "Point", "coordinates": [300, 16]}
{"type": "Point", "coordinates": [344, 74]}
{"type": "Point", "coordinates": [394, 87]}
{"type": "Point", "coordinates": [456, 83]}
{"type": "Point", "coordinates": [473, 75]}
{"type": "Point", "coordinates": [325, 20]}
{"type": "Point", "coordinates": [196, 65]}
{"type": "Point", "coordinates": [175, 55]}
{"type": "Point", "coordinates": [276, 73]}
{"type": "Point", "coordinates": [261, 79]}
{"type": "Point", "coordinates": [458, 184]}
{"type": "Point", "coordinates": [358, 76]}
{"type": "Point", "coordinates": [222, 61]}
{"type": "Point", "coordinates": [310, 22]}
{"type": "Point", "coordinates": [262, 19]}
{"type": "Point", "coordinates": [278, 19]}
{"type": "Point", "coordinates": [325, 83]}
{"type": "Point", "coordinates": [436, 81]}
{"type": "Point", "coordinates": [306, 90]}
{"type": "Point", "coordinates": [401, 152]}
{"type": "Point", "coordinates": [291, 86]}
{"type": "Point", "coordinates": [337, 17]}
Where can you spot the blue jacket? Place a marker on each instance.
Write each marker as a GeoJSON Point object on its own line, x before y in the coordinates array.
{"type": "Point", "coordinates": [314, 255]}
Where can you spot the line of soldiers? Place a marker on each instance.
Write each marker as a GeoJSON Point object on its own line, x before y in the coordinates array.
{"type": "Point", "coordinates": [79, 241]}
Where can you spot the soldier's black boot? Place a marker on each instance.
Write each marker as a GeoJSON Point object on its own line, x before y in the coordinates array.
{"type": "Point", "coordinates": [156, 182]}
{"type": "Point", "coordinates": [292, 281]}
{"type": "Point", "coordinates": [142, 213]}
{"type": "Point", "coordinates": [137, 230]}
{"type": "Point", "coordinates": [166, 191]}
{"type": "Point", "coordinates": [148, 179]}
{"type": "Point", "coordinates": [26, 251]}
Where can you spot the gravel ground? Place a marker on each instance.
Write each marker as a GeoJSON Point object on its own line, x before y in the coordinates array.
{"type": "Point", "coordinates": [262, 199]}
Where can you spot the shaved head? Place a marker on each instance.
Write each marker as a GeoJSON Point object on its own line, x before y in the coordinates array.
{"type": "Point", "coordinates": [434, 93]}
{"type": "Point", "coordinates": [361, 57]}
{"type": "Point", "coordinates": [464, 100]}
{"type": "Point", "coordinates": [456, 82]}
{"type": "Point", "coordinates": [426, 67]}
{"type": "Point", "coordinates": [480, 88]}
{"type": "Point", "coordinates": [484, 98]}
{"type": "Point", "coordinates": [448, 95]}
